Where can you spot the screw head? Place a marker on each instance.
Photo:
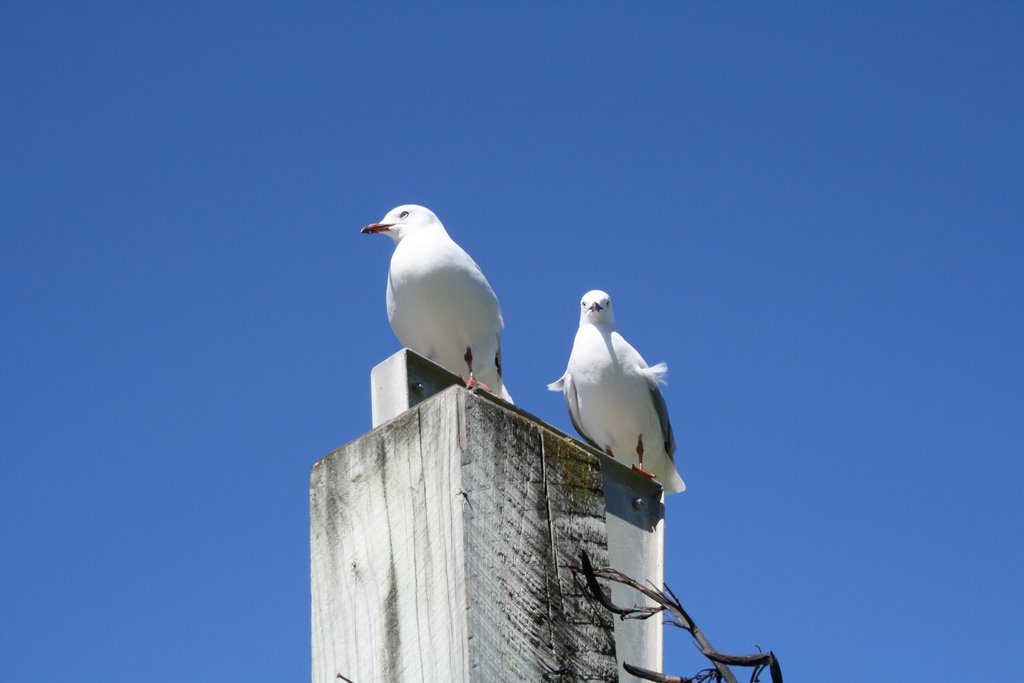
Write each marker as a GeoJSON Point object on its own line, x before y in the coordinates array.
{"type": "Point", "coordinates": [417, 387]}
{"type": "Point", "coordinates": [638, 503]}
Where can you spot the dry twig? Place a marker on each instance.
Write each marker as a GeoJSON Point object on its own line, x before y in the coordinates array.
{"type": "Point", "coordinates": [667, 604]}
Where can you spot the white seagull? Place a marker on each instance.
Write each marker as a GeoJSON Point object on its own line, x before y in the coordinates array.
{"type": "Point", "coordinates": [440, 305]}
{"type": "Point", "coordinates": [613, 396]}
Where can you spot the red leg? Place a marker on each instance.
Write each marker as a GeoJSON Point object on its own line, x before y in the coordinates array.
{"type": "Point", "coordinates": [472, 383]}
{"type": "Point", "coordinates": [640, 455]}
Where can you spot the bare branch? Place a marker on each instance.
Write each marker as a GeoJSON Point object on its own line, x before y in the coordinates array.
{"type": "Point", "coordinates": [635, 612]}
{"type": "Point", "coordinates": [649, 675]}
{"type": "Point", "coordinates": [667, 602]}
{"type": "Point", "coordinates": [761, 659]}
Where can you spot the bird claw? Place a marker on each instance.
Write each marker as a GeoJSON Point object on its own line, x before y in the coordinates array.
{"type": "Point", "coordinates": [640, 470]}
{"type": "Point", "coordinates": [473, 384]}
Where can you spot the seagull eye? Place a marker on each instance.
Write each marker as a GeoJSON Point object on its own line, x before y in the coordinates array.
{"type": "Point", "coordinates": [404, 214]}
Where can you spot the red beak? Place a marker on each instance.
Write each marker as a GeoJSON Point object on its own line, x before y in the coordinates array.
{"type": "Point", "coordinates": [375, 228]}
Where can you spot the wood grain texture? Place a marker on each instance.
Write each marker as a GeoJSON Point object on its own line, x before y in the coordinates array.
{"type": "Point", "coordinates": [439, 545]}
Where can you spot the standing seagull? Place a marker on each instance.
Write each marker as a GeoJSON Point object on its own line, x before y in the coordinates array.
{"type": "Point", "coordinates": [439, 302]}
{"type": "Point", "coordinates": [613, 397]}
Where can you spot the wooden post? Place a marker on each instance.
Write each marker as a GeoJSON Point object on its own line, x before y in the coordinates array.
{"type": "Point", "coordinates": [439, 544]}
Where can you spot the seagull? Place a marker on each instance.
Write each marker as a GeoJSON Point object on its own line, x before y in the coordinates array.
{"type": "Point", "coordinates": [440, 305]}
{"type": "Point", "coordinates": [613, 396]}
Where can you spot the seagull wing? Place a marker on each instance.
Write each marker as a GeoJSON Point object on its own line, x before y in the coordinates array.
{"type": "Point", "coordinates": [572, 402]}
{"type": "Point", "coordinates": [662, 410]}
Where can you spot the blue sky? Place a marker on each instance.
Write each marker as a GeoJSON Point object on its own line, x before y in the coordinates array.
{"type": "Point", "coordinates": [813, 213]}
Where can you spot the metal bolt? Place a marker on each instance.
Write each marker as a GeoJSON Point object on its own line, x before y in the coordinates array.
{"type": "Point", "coordinates": [417, 387]}
{"type": "Point", "coordinates": [638, 503]}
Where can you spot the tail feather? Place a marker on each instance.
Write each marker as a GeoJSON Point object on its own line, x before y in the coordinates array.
{"type": "Point", "coordinates": [658, 373]}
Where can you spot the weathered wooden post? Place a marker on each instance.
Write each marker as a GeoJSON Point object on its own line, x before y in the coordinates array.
{"type": "Point", "coordinates": [439, 543]}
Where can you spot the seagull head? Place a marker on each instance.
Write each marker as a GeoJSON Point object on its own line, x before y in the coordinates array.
{"type": "Point", "coordinates": [403, 220]}
{"type": "Point", "coordinates": [596, 308]}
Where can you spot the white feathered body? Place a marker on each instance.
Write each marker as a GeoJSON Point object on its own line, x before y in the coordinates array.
{"type": "Point", "coordinates": [613, 387]}
{"type": "Point", "coordinates": [439, 303]}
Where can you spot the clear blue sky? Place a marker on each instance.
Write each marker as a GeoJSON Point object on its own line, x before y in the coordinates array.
{"type": "Point", "coordinates": [813, 213]}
